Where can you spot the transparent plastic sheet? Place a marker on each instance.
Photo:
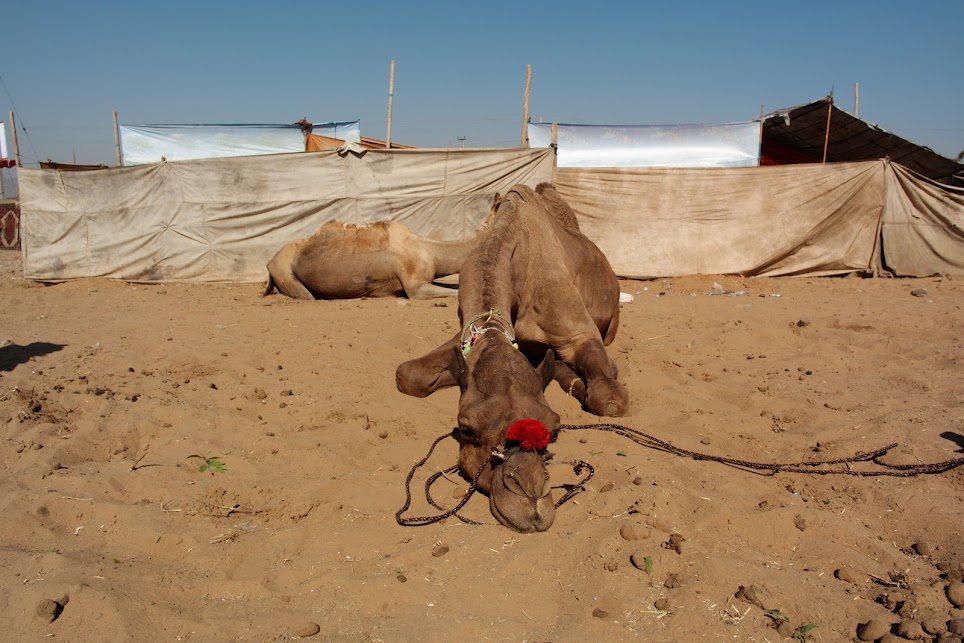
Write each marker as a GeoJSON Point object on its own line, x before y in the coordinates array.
{"type": "Point", "coordinates": [726, 145]}
{"type": "Point", "coordinates": [143, 144]}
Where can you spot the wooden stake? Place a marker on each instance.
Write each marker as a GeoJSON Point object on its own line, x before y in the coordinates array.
{"type": "Point", "coordinates": [826, 138]}
{"type": "Point", "coordinates": [525, 108]}
{"type": "Point", "coordinates": [391, 97]}
{"type": "Point", "coordinates": [13, 136]}
{"type": "Point", "coordinates": [856, 100]}
{"type": "Point", "coordinates": [120, 160]}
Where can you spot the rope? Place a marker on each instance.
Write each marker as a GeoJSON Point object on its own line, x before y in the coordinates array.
{"type": "Point", "coordinates": [807, 467]}
{"type": "Point", "coordinates": [473, 332]}
{"type": "Point", "coordinates": [577, 467]}
{"type": "Point", "coordinates": [649, 441]}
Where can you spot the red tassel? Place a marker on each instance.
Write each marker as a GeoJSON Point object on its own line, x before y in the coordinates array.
{"type": "Point", "coordinates": [531, 434]}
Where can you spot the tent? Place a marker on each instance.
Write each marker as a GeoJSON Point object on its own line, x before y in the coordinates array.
{"type": "Point", "coordinates": [814, 219]}
{"type": "Point", "coordinates": [222, 219]}
{"type": "Point", "coordinates": [800, 135]}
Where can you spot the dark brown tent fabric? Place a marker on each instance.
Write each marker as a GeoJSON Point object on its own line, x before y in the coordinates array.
{"type": "Point", "coordinates": [798, 134]}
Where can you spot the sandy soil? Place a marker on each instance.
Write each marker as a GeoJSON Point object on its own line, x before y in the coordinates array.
{"type": "Point", "coordinates": [107, 389]}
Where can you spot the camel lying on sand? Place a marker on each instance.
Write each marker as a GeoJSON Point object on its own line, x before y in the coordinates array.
{"type": "Point", "coordinates": [534, 289]}
{"type": "Point", "coordinates": [382, 259]}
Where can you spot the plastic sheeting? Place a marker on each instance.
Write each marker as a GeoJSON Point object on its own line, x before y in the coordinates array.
{"type": "Point", "coordinates": [144, 144]}
{"type": "Point", "coordinates": [223, 219]}
{"type": "Point", "coordinates": [813, 219]}
{"type": "Point", "coordinates": [3, 140]}
{"type": "Point", "coordinates": [726, 145]}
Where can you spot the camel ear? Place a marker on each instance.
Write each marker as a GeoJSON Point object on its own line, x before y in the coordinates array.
{"type": "Point", "coordinates": [547, 369]}
{"type": "Point", "coordinates": [457, 367]}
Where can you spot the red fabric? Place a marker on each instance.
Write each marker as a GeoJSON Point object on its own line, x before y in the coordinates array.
{"type": "Point", "coordinates": [531, 434]}
{"type": "Point", "coordinates": [5, 163]}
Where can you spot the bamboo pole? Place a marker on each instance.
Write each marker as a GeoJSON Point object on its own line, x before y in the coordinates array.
{"type": "Point", "coordinates": [826, 138]}
{"type": "Point", "coordinates": [391, 97]}
{"type": "Point", "coordinates": [120, 160]}
{"type": "Point", "coordinates": [554, 140]}
{"type": "Point", "coordinates": [13, 136]}
{"type": "Point", "coordinates": [759, 151]}
{"type": "Point", "coordinates": [856, 100]}
{"type": "Point", "coordinates": [525, 108]}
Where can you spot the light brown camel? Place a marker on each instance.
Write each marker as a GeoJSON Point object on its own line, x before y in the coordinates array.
{"type": "Point", "coordinates": [536, 282]}
{"type": "Point", "coordinates": [382, 259]}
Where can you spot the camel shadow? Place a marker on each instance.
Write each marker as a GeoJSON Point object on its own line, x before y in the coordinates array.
{"type": "Point", "coordinates": [12, 355]}
{"type": "Point", "coordinates": [956, 438]}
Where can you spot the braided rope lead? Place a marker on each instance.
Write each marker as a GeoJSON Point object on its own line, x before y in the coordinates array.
{"type": "Point", "coordinates": [807, 467]}
{"type": "Point", "coordinates": [577, 467]}
{"type": "Point", "coordinates": [645, 440]}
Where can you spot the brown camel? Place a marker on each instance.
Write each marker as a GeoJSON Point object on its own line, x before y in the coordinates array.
{"type": "Point", "coordinates": [534, 289]}
{"type": "Point", "coordinates": [382, 259]}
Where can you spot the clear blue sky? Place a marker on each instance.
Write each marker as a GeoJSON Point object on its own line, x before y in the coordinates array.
{"type": "Point", "coordinates": [460, 67]}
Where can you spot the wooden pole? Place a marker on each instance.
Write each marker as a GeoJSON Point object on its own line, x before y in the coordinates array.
{"type": "Point", "coordinates": [759, 151]}
{"type": "Point", "coordinates": [826, 138]}
{"type": "Point", "coordinates": [120, 160]}
{"type": "Point", "coordinates": [856, 100]}
{"type": "Point", "coordinates": [525, 108]}
{"type": "Point", "coordinates": [554, 139]}
{"type": "Point", "coordinates": [13, 136]}
{"type": "Point", "coordinates": [391, 97]}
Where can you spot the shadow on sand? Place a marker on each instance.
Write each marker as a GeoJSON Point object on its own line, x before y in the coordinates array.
{"type": "Point", "coordinates": [13, 354]}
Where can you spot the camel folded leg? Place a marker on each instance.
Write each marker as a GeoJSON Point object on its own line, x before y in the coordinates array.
{"type": "Point", "coordinates": [424, 375]}
{"type": "Point", "coordinates": [597, 389]}
{"type": "Point", "coordinates": [422, 290]}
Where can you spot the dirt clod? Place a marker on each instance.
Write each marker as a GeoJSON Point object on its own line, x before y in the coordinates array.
{"type": "Point", "coordinates": [873, 629]}
{"type": "Point", "coordinates": [847, 575]}
{"type": "Point", "coordinates": [632, 531]}
{"type": "Point", "coordinates": [924, 549]}
{"type": "Point", "coordinates": [910, 629]}
{"type": "Point", "coordinates": [749, 594]}
{"type": "Point", "coordinates": [675, 543]}
{"type": "Point", "coordinates": [955, 593]}
{"type": "Point", "coordinates": [440, 550]}
{"type": "Point", "coordinates": [49, 610]}
{"type": "Point", "coordinates": [306, 630]}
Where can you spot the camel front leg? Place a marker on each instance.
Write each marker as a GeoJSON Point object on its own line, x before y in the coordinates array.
{"type": "Point", "coordinates": [571, 383]}
{"type": "Point", "coordinates": [424, 375]}
{"type": "Point", "coordinates": [604, 396]}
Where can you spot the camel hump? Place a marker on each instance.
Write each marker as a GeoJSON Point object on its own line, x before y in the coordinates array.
{"type": "Point", "coordinates": [561, 210]}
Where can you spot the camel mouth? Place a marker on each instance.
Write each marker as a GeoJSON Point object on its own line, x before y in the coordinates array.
{"type": "Point", "coordinates": [520, 496]}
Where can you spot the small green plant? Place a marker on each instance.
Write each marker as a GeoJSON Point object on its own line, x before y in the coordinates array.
{"type": "Point", "coordinates": [648, 565]}
{"type": "Point", "coordinates": [212, 464]}
{"type": "Point", "coordinates": [777, 616]}
{"type": "Point", "coordinates": [802, 632]}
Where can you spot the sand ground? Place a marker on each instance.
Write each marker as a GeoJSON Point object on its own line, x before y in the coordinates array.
{"type": "Point", "coordinates": [108, 389]}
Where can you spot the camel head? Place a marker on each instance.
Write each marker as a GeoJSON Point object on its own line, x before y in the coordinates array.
{"type": "Point", "coordinates": [500, 388]}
